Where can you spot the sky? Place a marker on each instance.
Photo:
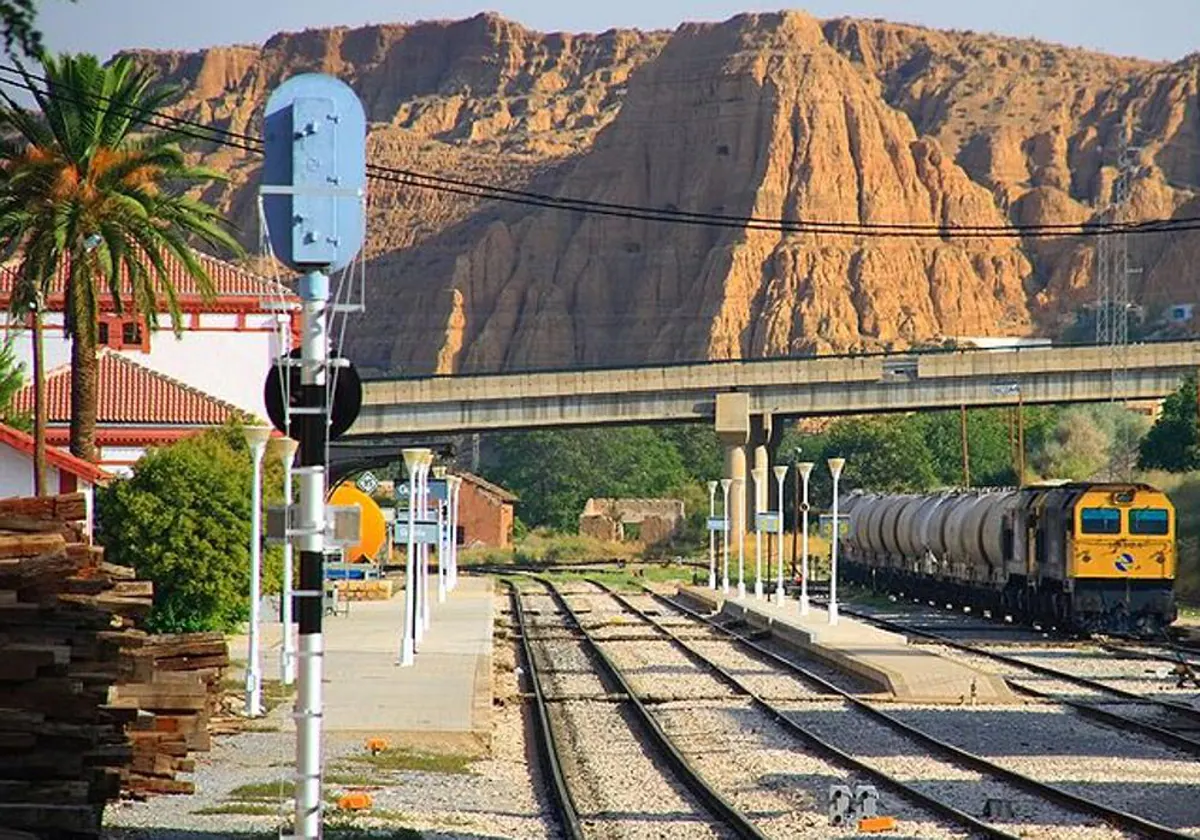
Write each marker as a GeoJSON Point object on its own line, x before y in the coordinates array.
{"type": "Point", "coordinates": [1156, 29]}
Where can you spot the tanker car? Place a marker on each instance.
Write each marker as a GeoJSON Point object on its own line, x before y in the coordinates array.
{"type": "Point", "coordinates": [1090, 558]}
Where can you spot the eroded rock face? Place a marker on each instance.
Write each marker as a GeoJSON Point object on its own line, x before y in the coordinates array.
{"type": "Point", "coordinates": [768, 116]}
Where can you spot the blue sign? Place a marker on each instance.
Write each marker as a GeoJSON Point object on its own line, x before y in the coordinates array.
{"type": "Point", "coordinates": [315, 172]}
{"type": "Point", "coordinates": [767, 520]}
{"type": "Point", "coordinates": [716, 523]}
{"type": "Point", "coordinates": [424, 532]}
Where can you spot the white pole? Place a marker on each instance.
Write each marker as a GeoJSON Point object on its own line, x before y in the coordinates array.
{"type": "Point", "coordinates": [741, 588]}
{"type": "Point", "coordinates": [835, 467]}
{"type": "Point", "coordinates": [419, 590]}
{"type": "Point", "coordinates": [257, 437]}
{"type": "Point", "coordinates": [780, 473]}
{"type": "Point", "coordinates": [287, 657]}
{"type": "Point", "coordinates": [412, 459]}
{"type": "Point", "coordinates": [443, 538]}
{"type": "Point", "coordinates": [805, 469]}
{"type": "Point", "coordinates": [726, 483]}
{"type": "Point", "coordinates": [759, 475]}
{"type": "Point", "coordinates": [712, 537]}
{"type": "Point", "coordinates": [426, 598]}
{"type": "Point", "coordinates": [452, 485]}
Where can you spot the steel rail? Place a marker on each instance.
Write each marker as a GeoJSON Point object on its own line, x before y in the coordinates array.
{"type": "Point", "coordinates": [705, 793]}
{"type": "Point", "coordinates": [1044, 670]}
{"type": "Point", "coordinates": [808, 736]}
{"type": "Point", "coordinates": [1045, 790]}
{"type": "Point", "coordinates": [547, 745]}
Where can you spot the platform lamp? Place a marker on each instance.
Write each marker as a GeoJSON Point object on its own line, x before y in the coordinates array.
{"type": "Point", "coordinates": [412, 463]}
{"type": "Point", "coordinates": [424, 614]}
{"type": "Point", "coordinates": [804, 468]}
{"type": "Point", "coordinates": [759, 474]}
{"type": "Point", "coordinates": [455, 491]}
{"type": "Point", "coordinates": [835, 468]}
{"type": "Point", "coordinates": [726, 483]}
{"type": "Point", "coordinates": [712, 537]}
{"type": "Point", "coordinates": [741, 541]}
{"type": "Point", "coordinates": [256, 439]}
{"type": "Point", "coordinates": [286, 448]}
{"type": "Point", "coordinates": [780, 474]}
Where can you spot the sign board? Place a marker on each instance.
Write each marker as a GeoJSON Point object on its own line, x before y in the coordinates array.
{"type": "Point", "coordinates": [767, 520]}
{"type": "Point", "coordinates": [424, 532]}
{"type": "Point", "coordinates": [716, 523]}
{"type": "Point", "coordinates": [367, 482]}
{"type": "Point", "coordinates": [439, 490]}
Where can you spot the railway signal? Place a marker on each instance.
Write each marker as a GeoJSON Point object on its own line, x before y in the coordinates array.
{"type": "Point", "coordinates": [313, 185]}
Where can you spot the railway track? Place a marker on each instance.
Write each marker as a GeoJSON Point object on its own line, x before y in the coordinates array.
{"type": "Point", "coordinates": [1001, 783]}
{"type": "Point", "coordinates": [645, 793]}
{"type": "Point", "coordinates": [1171, 722]}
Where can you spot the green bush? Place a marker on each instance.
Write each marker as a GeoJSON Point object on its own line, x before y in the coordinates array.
{"type": "Point", "coordinates": [182, 521]}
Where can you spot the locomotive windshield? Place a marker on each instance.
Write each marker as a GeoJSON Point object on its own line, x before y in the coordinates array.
{"type": "Point", "coordinates": [1100, 521]}
{"type": "Point", "coordinates": [1155, 521]}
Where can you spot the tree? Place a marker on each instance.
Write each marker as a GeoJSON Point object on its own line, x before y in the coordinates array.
{"type": "Point", "coordinates": [84, 196]}
{"type": "Point", "coordinates": [987, 445]}
{"type": "Point", "coordinates": [17, 24]}
{"type": "Point", "coordinates": [12, 377]}
{"type": "Point", "coordinates": [555, 472]}
{"type": "Point", "coordinates": [183, 521]}
{"type": "Point", "coordinates": [1171, 444]}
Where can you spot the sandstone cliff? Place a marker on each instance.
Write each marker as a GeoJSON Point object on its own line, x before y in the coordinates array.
{"type": "Point", "coordinates": [767, 115]}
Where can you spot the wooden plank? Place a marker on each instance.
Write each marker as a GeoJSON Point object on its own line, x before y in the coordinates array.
{"type": "Point", "coordinates": [30, 545]}
{"type": "Point", "coordinates": [67, 507]}
{"type": "Point", "coordinates": [81, 819]}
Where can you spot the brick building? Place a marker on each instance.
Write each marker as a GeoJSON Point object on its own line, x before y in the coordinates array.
{"type": "Point", "coordinates": [485, 513]}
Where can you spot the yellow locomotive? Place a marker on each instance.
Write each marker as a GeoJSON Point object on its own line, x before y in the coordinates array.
{"type": "Point", "coordinates": [1082, 556]}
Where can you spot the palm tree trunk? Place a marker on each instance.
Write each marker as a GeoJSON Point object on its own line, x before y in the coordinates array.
{"type": "Point", "coordinates": [84, 371]}
{"type": "Point", "coordinates": [39, 408]}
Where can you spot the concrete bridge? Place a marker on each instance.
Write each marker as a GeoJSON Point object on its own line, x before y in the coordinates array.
{"type": "Point", "coordinates": [742, 398]}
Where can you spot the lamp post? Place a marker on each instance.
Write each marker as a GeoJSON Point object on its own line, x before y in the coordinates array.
{"type": "Point", "coordinates": [780, 473]}
{"type": "Point", "coordinates": [726, 483]}
{"type": "Point", "coordinates": [286, 448]}
{"type": "Point", "coordinates": [455, 488]}
{"type": "Point", "coordinates": [423, 614]}
{"type": "Point", "coordinates": [759, 475]}
{"type": "Point", "coordinates": [796, 517]}
{"type": "Point", "coordinates": [741, 541]}
{"type": "Point", "coordinates": [835, 467]}
{"type": "Point", "coordinates": [712, 539]}
{"type": "Point", "coordinates": [443, 548]}
{"type": "Point", "coordinates": [256, 438]}
{"type": "Point", "coordinates": [804, 469]}
{"type": "Point", "coordinates": [412, 465]}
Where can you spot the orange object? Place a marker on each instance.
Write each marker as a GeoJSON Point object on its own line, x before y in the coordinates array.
{"type": "Point", "coordinates": [374, 528]}
{"type": "Point", "coordinates": [872, 824]}
{"type": "Point", "coordinates": [357, 801]}
{"type": "Point", "coordinates": [377, 745]}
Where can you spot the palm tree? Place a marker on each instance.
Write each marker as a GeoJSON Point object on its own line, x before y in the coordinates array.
{"type": "Point", "coordinates": [86, 196]}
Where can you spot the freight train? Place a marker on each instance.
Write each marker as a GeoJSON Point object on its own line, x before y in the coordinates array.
{"type": "Point", "coordinates": [1082, 557]}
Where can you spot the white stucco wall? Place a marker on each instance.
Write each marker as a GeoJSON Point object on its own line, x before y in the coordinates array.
{"type": "Point", "coordinates": [218, 359]}
{"type": "Point", "coordinates": [16, 474]}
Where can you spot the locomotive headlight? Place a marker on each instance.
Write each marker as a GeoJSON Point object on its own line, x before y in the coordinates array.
{"type": "Point", "coordinates": [1160, 558]}
{"type": "Point", "coordinates": [1087, 557]}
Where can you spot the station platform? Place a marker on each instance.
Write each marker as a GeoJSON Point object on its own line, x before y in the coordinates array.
{"type": "Point", "coordinates": [883, 659]}
{"type": "Point", "coordinates": [442, 702]}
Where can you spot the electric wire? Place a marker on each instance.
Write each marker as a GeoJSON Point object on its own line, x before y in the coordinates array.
{"type": "Point", "coordinates": [471, 189]}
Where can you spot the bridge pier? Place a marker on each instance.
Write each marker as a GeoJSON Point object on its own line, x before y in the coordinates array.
{"type": "Point", "coordinates": [732, 416]}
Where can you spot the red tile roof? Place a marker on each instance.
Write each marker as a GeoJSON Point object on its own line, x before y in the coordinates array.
{"type": "Point", "coordinates": [55, 457]}
{"type": "Point", "coordinates": [229, 281]}
{"type": "Point", "coordinates": [131, 394]}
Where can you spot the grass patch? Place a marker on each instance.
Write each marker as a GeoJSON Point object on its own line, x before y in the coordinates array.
{"type": "Point", "coordinates": [264, 790]}
{"type": "Point", "coordinates": [246, 809]}
{"type": "Point", "coordinates": [354, 780]}
{"type": "Point", "coordinates": [400, 759]}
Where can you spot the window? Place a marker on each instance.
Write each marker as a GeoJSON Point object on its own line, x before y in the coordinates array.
{"type": "Point", "coordinates": [1155, 521]}
{"type": "Point", "coordinates": [102, 335]}
{"type": "Point", "coordinates": [1101, 521]}
{"type": "Point", "coordinates": [131, 333]}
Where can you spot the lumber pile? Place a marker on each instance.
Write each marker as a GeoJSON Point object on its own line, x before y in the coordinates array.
{"type": "Point", "coordinates": [174, 682]}
{"type": "Point", "coordinates": [88, 702]}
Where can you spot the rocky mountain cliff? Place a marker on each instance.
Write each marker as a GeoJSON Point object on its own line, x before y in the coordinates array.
{"type": "Point", "coordinates": [772, 115]}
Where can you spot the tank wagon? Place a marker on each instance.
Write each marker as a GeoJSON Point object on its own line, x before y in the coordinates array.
{"type": "Point", "coordinates": [1092, 558]}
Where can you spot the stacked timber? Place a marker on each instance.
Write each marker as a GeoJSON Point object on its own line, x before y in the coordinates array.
{"type": "Point", "coordinates": [88, 703]}
{"type": "Point", "coordinates": [65, 615]}
{"type": "Point", "coordinates": [174, 682]}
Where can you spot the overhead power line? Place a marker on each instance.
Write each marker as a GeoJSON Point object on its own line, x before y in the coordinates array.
{"type": "Point", "coordinates": [38, 85]}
